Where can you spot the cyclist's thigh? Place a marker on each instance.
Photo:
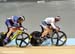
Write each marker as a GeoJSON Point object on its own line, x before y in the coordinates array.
{"type": "Point", "coordinates": [50, 28]}
{"type": "Point", "coordinates": [8, 23]}
{"type": "Point", "coordinates": [44, 25]}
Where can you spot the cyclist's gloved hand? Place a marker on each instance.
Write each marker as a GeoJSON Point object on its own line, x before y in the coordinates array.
{"type": "Point", "coordinates": [21, 28]}
{"type": "Point", "coordinates": [57, 29]}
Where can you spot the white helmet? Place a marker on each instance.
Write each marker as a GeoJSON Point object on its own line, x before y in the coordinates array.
{"type": "Point", "coordinates": [58, 17]}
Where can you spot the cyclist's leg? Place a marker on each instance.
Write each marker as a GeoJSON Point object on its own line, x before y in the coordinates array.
{"type": "Point", "coordinates": [11, 30]}
{"type": "Point", "coordinates": [50, 30]}
{"type": "Point", "coordinates": [8, 24]}
{"type": "Point", "coordinates": [46, 29]}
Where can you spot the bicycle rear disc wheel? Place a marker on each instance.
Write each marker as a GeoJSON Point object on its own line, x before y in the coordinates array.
{"type": "Point", "coordinates": [35, 40]}
{"type": "Point", "coordinates": [58, 39]}
{"type": "Point", "coordinates": [2, 37]}
{"type": "Point", "coordinates": [22, 40]}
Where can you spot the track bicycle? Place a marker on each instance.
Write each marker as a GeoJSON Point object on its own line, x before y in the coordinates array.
{"type": "Point", "coordinates": [21, 38]}
{"type": "Point", "coordinates": [57, 38]}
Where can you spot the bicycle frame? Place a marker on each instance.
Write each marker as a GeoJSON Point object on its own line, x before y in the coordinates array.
{"type": "Point", "coordinates": [18, 32]}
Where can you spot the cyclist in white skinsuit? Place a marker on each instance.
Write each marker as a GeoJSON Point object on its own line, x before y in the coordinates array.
{"type": "Point", "coordinates": [48, 24]}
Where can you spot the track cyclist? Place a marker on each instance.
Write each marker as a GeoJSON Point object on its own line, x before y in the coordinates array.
{"type": "Point", "coordinates": [13, 24]}
{"type": "Point", "coordinates": [49, 23]}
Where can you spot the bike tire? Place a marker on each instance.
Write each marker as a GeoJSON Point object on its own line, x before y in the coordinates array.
{"type": "Point", "coordinates": [58, 38]}
{"type": "Point", "coordinates": [23, 40]}
{"type": "Point", "coordinates": [2, 36]}
{"type": "Point", "coordinates": [35, 36]}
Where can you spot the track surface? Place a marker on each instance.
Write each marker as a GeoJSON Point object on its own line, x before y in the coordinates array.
{"type": "Point", "coordinates": [38, 50]}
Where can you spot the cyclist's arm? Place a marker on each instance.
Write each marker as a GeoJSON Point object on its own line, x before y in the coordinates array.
{"type": "Point", "coordinates": [21, 27]}
{"type": "Point", "coordinates": [53, 26]}
{"type": "Point", "coordinates": [20, 24]}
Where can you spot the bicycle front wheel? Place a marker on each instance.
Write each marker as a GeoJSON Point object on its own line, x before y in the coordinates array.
{"type": "Point", "coordinates": [22, 40]}
{"type": "Point", "coordinates": [58, 38]}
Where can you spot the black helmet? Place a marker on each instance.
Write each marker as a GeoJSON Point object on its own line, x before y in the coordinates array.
{"type": "Point", "coordinates": [21, 18]}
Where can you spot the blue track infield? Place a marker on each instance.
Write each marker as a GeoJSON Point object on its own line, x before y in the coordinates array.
{"type": "Point", "coordinates": [70, 41]}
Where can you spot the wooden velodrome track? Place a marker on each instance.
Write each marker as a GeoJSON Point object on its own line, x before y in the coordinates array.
{"type": "Point", "coordinates": [38, 50]}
